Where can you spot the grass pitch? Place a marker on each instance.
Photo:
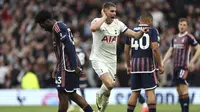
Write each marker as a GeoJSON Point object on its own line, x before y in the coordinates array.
{"type": "Point", "coordinates": [111, 108]}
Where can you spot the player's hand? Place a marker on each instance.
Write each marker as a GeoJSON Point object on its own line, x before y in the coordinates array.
{"type": "Point", "coordinates": [78, 70]}
{"type": "Point", "coordinates": [190, 67]}
{"type": "Point", "coordinates": [129, 71]}
{"type": "Point", "coordinates": [53, 75]}
{"type": "Point", "coordinates": [161, 69]}
{"type": "Point", "coordinates": [145, 30]}
{"type": "Point", "coordinates": [103, 13]}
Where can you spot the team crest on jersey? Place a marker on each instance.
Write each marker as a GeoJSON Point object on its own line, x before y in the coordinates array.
{"type": "Point", "coordinates": [109, 39]}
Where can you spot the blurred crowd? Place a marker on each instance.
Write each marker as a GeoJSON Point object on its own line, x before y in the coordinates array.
{"type": "Point", "coordinates": [26, 49]}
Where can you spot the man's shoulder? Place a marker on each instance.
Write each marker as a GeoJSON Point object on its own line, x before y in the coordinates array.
{"type": "Point", "coordinates": [189, 35]}
{"type": "Point", "coordinates": [154, 30]}
{"type": "Point", "coordinates": [62, 25]}
{"type": "Point", "coordinates": [59, 26]}
{"type": "Point", "coordinates": [95, 20]}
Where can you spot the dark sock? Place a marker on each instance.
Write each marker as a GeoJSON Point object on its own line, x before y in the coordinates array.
{"type": "Point", "coordinates": [70, 101]}
{"type": "Point", "coordinates": [184, 101]}
{"type": "Point", "coordinates": [152, 107]}
{"type": "Point", "coordinates": [141, 99]}
{"type": "Point", "coordinates": [88, 109]}
{"type": "Point", "coordinates": [130, 108]}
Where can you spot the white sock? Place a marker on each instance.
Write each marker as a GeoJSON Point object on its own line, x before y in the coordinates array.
{"type": "Point", "coordinates": [104, 103]}
{"type": "Point", "coordinates": [102, 90]}
{"type": "Point", "coordinates": [144, 104]}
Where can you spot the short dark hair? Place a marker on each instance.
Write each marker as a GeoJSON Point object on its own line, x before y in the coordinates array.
{"type": "Point", "coordinates": [108, 5]}
{"type": "Point", "coordinates": [183, 19]}
{"type": "Point", "coordinates": [146, 15]}
{"type": "Point", "coordinates": [42, 16]}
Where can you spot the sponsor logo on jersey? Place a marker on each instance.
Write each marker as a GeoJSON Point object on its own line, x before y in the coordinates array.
{"type": "Point", "coordinates": [109, 39]}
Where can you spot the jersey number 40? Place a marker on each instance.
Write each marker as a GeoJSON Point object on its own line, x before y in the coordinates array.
{"type": "Point", "coordinates": [139, 43]}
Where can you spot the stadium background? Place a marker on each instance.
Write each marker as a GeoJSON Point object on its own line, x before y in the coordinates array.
{"type": "Point", "coordinates": [24, 46]}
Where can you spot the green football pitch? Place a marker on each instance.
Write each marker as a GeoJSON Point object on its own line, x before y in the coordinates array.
{"type": "Point", "coordinates": [111, 108]}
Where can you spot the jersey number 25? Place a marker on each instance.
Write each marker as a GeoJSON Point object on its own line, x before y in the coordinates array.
{"type": "Point", "coordinates": [139, 43]}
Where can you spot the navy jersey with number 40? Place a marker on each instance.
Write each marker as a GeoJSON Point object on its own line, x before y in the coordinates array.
{"type": "Point", "coordinates": [141, 54]}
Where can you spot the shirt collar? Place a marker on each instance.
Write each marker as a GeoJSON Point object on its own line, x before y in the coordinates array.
{"type": "Point", "coordinates": [180, 35]}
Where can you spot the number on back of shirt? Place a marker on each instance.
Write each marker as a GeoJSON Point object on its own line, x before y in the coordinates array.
{"type": "Point", "coordinates": [139, 43]}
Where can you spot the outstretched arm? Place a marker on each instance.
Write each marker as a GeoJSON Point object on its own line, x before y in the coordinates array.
{"type": "Point", "coordinates": [136, 35]}
{"type": "Point", "coordinates": [127, 57]}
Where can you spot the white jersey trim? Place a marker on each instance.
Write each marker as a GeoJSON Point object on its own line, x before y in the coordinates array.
{"type": "Point", "coordinates": [144, 71]}
{"type": "Point", "coordinates": [65, 68]}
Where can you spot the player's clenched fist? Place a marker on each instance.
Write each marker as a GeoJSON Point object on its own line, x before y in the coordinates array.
{"type": "Point", "coordinates": [161, 69]}
{"type": "Point", "coordinates": [129, 71]}
{"type": "Point", "coordinates": [78, 70]}
{"type": "Point", "coordinates": [145, 30]}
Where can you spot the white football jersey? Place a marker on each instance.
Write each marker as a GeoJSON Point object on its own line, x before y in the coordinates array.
{"type": "Point", "coordinates": [105, 41]}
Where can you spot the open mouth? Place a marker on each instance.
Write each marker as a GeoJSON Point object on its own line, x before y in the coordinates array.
{"type": "Point", "coordinates": [112, 17]}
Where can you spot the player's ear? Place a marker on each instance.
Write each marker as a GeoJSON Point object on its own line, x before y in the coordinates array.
{"type": "Point", "coordinates": [104, 10]}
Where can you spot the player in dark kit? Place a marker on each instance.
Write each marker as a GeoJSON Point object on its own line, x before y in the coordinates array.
{"type": "Point", "coordinates": [68, 68]}
{"type": "Point", "coordinates": [180, 49]}
{"type": "Point", "coordinates": [145, 54]}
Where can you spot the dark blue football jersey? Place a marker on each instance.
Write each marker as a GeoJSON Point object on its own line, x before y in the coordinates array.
{"type": "Point", "coordinates": [64, 48]}
{"type": "Point", "coordinates": [142, 60]}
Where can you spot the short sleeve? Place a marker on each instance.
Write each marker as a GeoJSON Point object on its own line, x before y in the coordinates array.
{"type": "Point", "coordinates": [123, 27]}
{"type": "Point", "coordinates": [61, 31]}
{"type": "Point", "coordinates": [94, 20]}
{"type": "Point", "coordinates": [155, 35]}
{"type": "Point", "coordinates": [191, 40]}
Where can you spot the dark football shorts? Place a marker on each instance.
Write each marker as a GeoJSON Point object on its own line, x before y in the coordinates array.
{"type": "Point", "coordinates": [180, 76]}
{"type": "Point", "coordinates": [67, 81]}
{"type": "Point", "coordinates": [145, 81]}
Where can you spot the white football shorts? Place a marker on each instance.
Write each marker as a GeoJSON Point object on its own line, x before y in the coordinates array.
{"type": "Point", "coordinates": [100, 68]}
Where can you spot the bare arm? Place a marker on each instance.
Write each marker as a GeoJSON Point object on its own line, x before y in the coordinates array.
{"type": "Point", "coordinates": [127, 54]}
{"type": "Point", "coordinates": [156, 52]}
{"type": "Point", "coordinates": [136, 35]}
{"type": "Point", "coordinates": [127, 57]}
{"type": "Point", "coordinates": [197, 54]}
{"type": "Point", "coordinates": [157, 56]}
{"type": "Point", "coordinates": [167, 55]}
{"type": "Point", "coordinates": [133, 34]}
{"type": "Point", "coordinates": [95, 26]}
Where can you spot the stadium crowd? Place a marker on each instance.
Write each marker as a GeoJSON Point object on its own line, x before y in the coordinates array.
{"type": "Point", "coordinates": [26, 49]}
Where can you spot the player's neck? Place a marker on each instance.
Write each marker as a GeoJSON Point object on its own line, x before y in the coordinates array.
{"type": "Point", "coordinates": [108, 21]}
{"type": "Point", "coordinates": [182, 33]}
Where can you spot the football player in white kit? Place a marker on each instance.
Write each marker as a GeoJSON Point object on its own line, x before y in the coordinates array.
{"type": "Point", "coordinates": [105, 31]}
